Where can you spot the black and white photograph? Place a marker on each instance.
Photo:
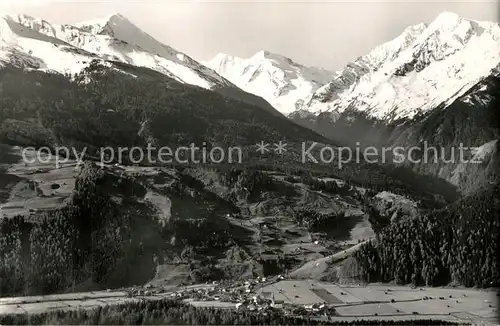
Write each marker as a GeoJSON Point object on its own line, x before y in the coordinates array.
{"type": "Point", "coordinates": [225, 162]}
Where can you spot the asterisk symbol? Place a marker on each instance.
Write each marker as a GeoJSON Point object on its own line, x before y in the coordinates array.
{"type": "Point", "coordinates": [280, 147]}
{"type": "Point", "coordinates": [262, 147]}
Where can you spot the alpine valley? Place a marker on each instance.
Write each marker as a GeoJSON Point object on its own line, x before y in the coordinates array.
{"type": "Point", "coordinates": [96, 230]}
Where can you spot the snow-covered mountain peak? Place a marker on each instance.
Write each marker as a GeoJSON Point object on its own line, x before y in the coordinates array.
{"type": "Point", "coordinates": [353, 72]}
{"type": "Point", "coordinates": [449, 30]}
{"type": "Point", "coordinates": [427, 65]}
{"type": "Point", "coordinates": [267, 55]}
{"type": "Point", "coordinates": [119, 27]}
{"type": "Point", "coordinates": [261, 54]}
{"type": "Point", "coordinates": [35, 24]}
{"type": "Point", "coordinates": [117, 17]}
{"type": "Point", "coordinates": [391, 49]}
{"type": "Point", "coordinates": [284, 83]}
{"type": "Point", "coordinates": [26, 19]}
{"type": "Point", "coordinates": [98, 25]}
{"type": "Point", "coordinates": [278, 60]}
{"type": "Point", "coordinates": [446, 18]}
{"type": "Point", "coordinates": [225, 57]}
{"type": "Point", "coordinates": [223, 63]}
{"type": "Point", "coordinates": [36, 43]}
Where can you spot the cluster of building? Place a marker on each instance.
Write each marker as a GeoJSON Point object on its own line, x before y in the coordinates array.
{"type": "Point", "coordinates": [231, 291]}
{"type": "Point", "coordinates": [146, 291]}
{"type": "Point", "coordinates": [266, 301]}
{"type": "Point", "coordinates": [241, 295]}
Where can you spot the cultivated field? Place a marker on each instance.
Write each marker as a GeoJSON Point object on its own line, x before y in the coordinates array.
{"type": "Point", "coordinates": [390, 302]}
{"type": "Point", "coordinates": [373, 302]}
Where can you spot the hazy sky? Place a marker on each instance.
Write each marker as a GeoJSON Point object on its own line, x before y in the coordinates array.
{"type": "Point", "coordinates": [321, 33]}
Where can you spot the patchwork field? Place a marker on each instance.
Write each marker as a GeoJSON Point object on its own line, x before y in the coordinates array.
{"type": "Point", "coordinates": [390, 301]}
{"type": "Point", "coordinates": [373, 302]}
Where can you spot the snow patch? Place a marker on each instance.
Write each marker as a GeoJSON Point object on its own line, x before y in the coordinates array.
{"type": "Point", "coordinates": [483, 151]}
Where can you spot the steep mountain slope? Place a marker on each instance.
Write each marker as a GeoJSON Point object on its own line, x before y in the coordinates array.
{"type": "Point", "coordinates": [470, 121]}
{"type": "Point", "coordinates": [285, 84]}
{"type": "Point", "coordinates": [106, 106]}
{"type": "Point", "coordinates": [425, 66]}
{"type": "Point", "coordinates": [436, 85]}
{"type": "Point", "coordinates": [455, 244]}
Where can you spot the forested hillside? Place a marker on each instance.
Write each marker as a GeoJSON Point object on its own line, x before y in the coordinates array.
{"type": "Point", "coordinates": [456, 244]}
{"type": "Point", "coordinates": [104, 107]}
{"type": "Point", "coordinates": [91, 240]}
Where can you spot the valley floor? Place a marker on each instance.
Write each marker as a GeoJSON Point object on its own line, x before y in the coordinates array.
{"type": "Point", "coordinates": [373, 302]}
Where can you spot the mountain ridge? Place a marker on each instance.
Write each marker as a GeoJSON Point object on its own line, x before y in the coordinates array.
{"type": "Point", "coordinates": [428, 64]}
{"type": "Point", "coordinates": [284, 83]}
{"type": "Point", "coordinates": [112, 38]}
{"type": "Point", "coordinates": [34, 43]}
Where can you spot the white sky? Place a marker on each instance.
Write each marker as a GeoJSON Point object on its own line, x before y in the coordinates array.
{"type": "Point", "coordinates": [321, 33]}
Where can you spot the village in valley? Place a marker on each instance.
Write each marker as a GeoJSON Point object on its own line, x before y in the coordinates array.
{"type": "Point", "coordinates": [328, 301]}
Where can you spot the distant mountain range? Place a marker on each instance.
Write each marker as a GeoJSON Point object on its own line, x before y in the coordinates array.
{"type": "Point", "coordinates": [419, 87]}
{"type": "Point", "coordinates": [425, 66]}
